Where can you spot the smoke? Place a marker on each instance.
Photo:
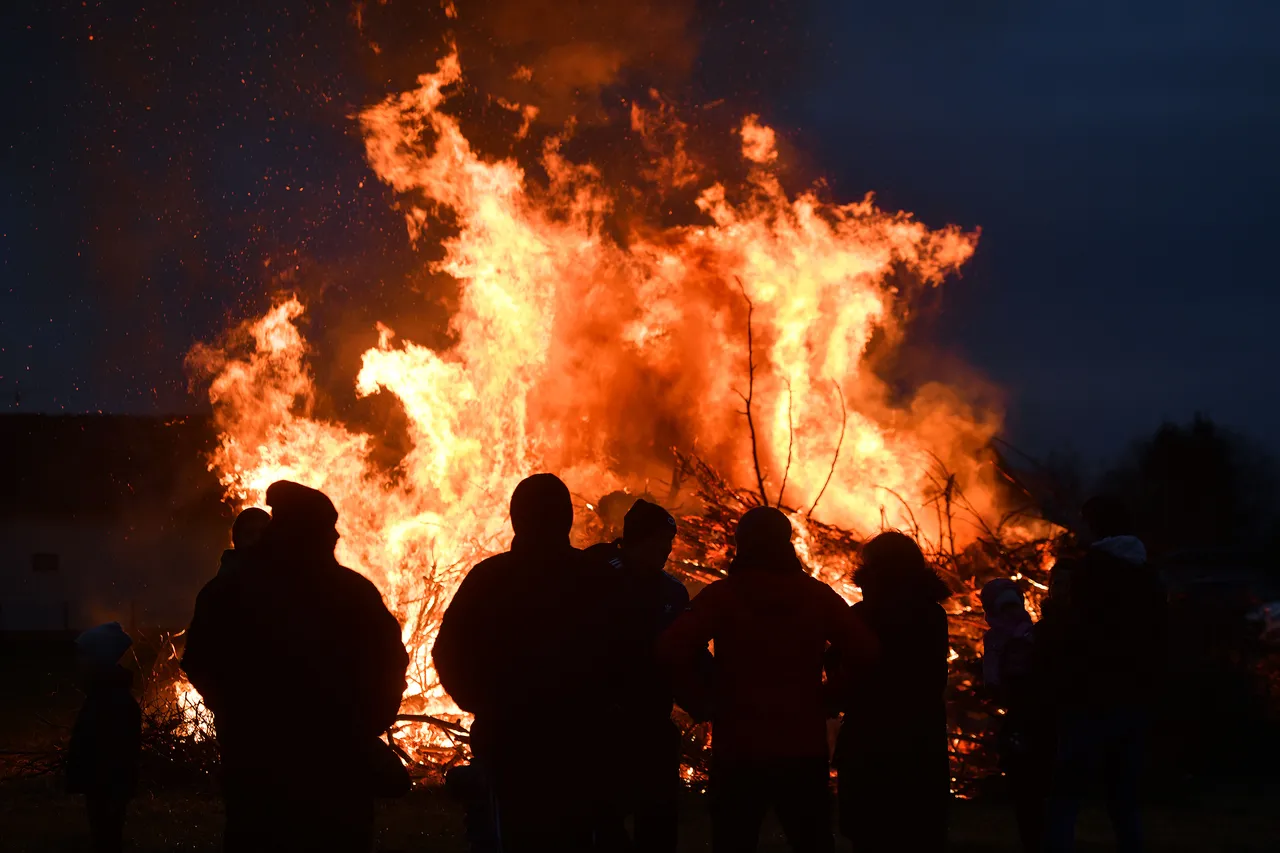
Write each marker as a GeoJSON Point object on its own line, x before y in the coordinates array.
{"type": "Point", "coordinates": [561, 56]}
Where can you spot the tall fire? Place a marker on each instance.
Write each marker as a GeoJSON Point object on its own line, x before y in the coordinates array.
{"type": "Point", "coordinates": [637, 357]}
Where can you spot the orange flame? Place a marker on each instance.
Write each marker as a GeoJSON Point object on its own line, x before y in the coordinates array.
{"type": "Point", "coordinates": [586, 354]}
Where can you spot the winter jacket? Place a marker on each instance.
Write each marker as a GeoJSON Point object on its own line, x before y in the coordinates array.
{"type": "Point", "coordinates": [530, 644]}
{"type": "Point", "coordinates": [770, 630]}
{"type": "Point", "coordinates": [102, 759]}
{"type": "Point", "coordinates": [1104, 642]}
{"type": "Point", "coordinates": [293, 645]}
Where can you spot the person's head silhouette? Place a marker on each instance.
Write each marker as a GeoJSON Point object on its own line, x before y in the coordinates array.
{"type": "Point", "coordinates": [249, 526]}
{"type": "Point", "coordinates": [893, 567]}
{"type": "Point", "coordinates": [764, 542]}
{"type": "Point", "coordinates": [542, 511]}
{"type": "Point", "coordinates": [302, 518]}
{"type": "Point", "coordinates": [648, 533]}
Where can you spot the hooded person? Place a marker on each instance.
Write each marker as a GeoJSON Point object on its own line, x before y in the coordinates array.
{"type": "Point", "coordinates": [646, 751]}
{"type": "Point", "coordinates": [291, 616]}
{"type": "Point", "coordinates": [771, 623]}
{"type": "Point", "coordinates": [102, 758]}
{"type": "Point", "coordinates": [891, 754]}
{"type": "Point", "coordinates": [1103, 642]}
{"type": "Point", "coordinates": [529, 640]}
{"type": "Point", "coordinates": [1010, 628]}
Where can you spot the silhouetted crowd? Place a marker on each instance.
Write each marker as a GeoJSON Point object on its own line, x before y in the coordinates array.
{"type": "Point", "coordinates": [547, 643]}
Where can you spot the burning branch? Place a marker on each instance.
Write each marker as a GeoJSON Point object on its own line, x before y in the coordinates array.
{"type": "Point", "coordinates": [791, 439]}
{"type": "Point", "coordinates": [844, 421]}
{"type": "Point", "coordinates": [751, 385]}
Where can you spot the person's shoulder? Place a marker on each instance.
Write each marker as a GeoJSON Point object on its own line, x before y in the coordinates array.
{"type": "Point", "coordinates": [218, 590]}
{"type": "Point", "coordinates": [820, 589]}
{"type": "Point", "coordinates": [352, 582]}
{"type": "Point", "coordinates": [490, 572]}
{"type": "Point", "coordinates": [671, 582]}
{"type": "Point", "coordinates": [607, 553]}
{"type": "Point", "coordinates": [673, 588]}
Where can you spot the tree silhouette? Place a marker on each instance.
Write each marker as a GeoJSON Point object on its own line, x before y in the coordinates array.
{"type": "Point", "coordinates": [1198, 486]}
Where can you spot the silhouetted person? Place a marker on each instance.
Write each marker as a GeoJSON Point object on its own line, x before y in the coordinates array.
{"type": "Point", "coordinates": [891, 754]}
{"type": "Point", "coordinates": [1104, 642]}
{"type": "Point", "coordinates": [771, 623]}
{"type": "Point", "coordinates": [646, 753]}
{"type": "Point", "coordinates": [471, 786]}
{"type": "Point", "coordinates": [1011, 677]}
{"type": "Point", "coordinates": [529, 645]}
{"type": "Point", "coordinates": [302, 665]}
{"type": "Point", "coordinates": [102, 760]}
{"type": "Point", "coordinates": [246, 531]}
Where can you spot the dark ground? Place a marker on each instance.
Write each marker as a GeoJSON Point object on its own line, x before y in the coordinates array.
{"type": "Point", "coordinates": [36, 817]}
{"type": "Point", "coordinates": [38, 702]}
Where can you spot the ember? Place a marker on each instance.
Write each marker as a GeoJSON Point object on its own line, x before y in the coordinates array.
{"type": "Point", "coordinates": [743, 338]}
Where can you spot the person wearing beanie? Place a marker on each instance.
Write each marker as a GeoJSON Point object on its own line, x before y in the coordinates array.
{"type": "Point", "coordinates": [532, 639]}
{"type": "Point", "coordinates": [290, 602]}
{"type": "Point", "coordinates": [646, 765]}
{"type": "Point", "coordinates": [771, 623]}
{"type": "Point", "coordinates": [102, 758]}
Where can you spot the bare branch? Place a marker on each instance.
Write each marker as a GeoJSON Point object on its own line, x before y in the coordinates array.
{"type": "Point", "coordinates": [750, 395]}
{"type": "Point", "coordinates": [844, 421]}
{"type": "Point", "coordinates": [791, 440]}
{"type": "Point", "coordinates": [915, 526]}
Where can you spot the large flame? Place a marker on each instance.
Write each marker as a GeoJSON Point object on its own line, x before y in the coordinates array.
{"type": "Point", "coordinates": [590, 354]}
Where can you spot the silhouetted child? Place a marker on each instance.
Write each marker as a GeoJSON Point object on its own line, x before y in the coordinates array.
{"type": "Point", "coordinates": [246, 530]}
{"type": "Point", "coordinates": [102, 761]}
{"type": "Point", "coordinates": [1025, 739]}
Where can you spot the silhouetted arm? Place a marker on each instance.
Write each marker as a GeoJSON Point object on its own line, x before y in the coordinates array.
{"type": "Point", "coordinates": [382, 679]}
{"type": "Point", "coordinates": [854, 644]}
{"type": "Point", "coordinates": [461, 651]}
{"type": "Point", "coordinates": [854, 650]}
{"type": "Point", "coordinates": [682, 648]}
{"type": "Point", "coordinates": [940, 644]}
{"type": "Point", "coordinates": [205, 650]}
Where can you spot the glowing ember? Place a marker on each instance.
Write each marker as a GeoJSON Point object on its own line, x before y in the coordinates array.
{"type": "Point", "coordinates": [590, 354]}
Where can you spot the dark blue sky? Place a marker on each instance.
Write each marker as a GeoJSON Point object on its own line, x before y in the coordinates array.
{"type": "Point", "coordinates": [159, 180]}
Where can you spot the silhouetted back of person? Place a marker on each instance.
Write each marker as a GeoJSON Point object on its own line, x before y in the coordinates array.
{"type": "Point", "coordinates": [526, 645]}
{"type": "Point", "coordinates": [891, 754]}
{"type": "Point", "coordinates": [102, 758]}
{"type": "Point", "coordinates": [246, 532]}
{"type": "Point", "coordinates": [303, 667]}
{"type": "Point", "coordinates": [644, 761]}
{"type": "Point", "coordinates": [771, 624]}
{"type": "Point", "coordinates": [1104, 643]}
{"type": "Point", "coordinates": [1011, 677]}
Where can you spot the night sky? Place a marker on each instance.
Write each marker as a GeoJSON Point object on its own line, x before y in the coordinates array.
{"type": "Point", "coordinates": [167, 167]}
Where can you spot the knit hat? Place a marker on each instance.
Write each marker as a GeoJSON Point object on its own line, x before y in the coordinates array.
{"type": "Point", "coordinates": [646, 519]}
{"type": "Point", "coordinates": [297, 507]}
{"type": "Point", "coordinates": [103, 645]}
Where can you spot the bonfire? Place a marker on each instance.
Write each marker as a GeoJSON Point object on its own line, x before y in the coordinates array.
{"type": "Point", "coordinates": [721, 363]}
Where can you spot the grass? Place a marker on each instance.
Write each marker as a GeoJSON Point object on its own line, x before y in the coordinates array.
{"type": "Point", "coordinates": [38, 702]}
{"type": "Point", "coordinates": [38, 818]}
